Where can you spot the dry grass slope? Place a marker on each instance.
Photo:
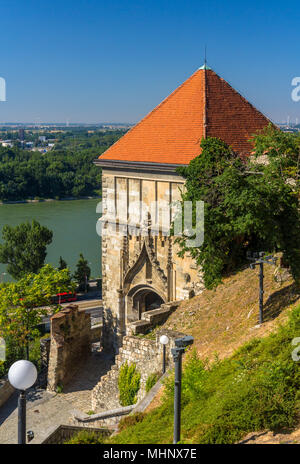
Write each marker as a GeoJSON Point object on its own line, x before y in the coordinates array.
{"type": "Point", "coordinates": [222, 320]}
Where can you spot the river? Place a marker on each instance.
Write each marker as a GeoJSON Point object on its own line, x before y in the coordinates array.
{"type": "Point", "coordinates": [74, 230]}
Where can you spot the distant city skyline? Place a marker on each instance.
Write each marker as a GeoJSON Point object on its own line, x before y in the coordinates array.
{"type": "Point", "coordinates": [113, 62]}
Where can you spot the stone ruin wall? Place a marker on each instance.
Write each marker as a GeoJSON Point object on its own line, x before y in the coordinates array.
{"type": "Point", "coordinates": [146, 354]}
{"type": "Point", "coordinates": [70, 345]}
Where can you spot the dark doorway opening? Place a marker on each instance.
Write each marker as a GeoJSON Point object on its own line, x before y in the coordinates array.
{"type": "Point", "coordinates": [152, 301]}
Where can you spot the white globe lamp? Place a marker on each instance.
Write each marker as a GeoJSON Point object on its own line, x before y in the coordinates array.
{"type": "Point", "coordinates": [22, 375]}
{"type": "Point", "coordinates": [164, 340]}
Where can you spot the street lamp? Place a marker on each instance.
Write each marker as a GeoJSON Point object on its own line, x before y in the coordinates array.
{"type": "Point", "coordinates": [177, 352]}
{"type": "Point", "coordinates": [259, 259]}
{"type": "Point", "coordinates": [22, 375]}
{"type": "Point", "coordinates": [164, 340]}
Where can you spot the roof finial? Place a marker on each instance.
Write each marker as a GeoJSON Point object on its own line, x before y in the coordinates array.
{"type": "Point", "coordinates": [205, 60]}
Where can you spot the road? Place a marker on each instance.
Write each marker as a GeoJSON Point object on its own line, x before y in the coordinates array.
{"type": "Point", "coordinates": [91, 306]}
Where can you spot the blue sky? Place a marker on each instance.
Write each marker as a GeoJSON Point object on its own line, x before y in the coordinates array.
{"type": "Point", "coordinates": [95, 61]}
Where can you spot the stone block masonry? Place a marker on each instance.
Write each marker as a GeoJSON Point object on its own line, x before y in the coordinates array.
{"type": "Point", "coordinates": [70, 345]}
{"type": "Point", "coordinates": [146, 354]}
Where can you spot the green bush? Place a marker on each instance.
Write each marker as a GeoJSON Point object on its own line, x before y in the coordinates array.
{"type": "Point", "coordinates": [255, 389]}
{"type": "Point", "coordinates": [151, 380]}
{"type": "Point", "coordinates": [85, 437]}
{"type": "Point", "coordinates": [129, 384]}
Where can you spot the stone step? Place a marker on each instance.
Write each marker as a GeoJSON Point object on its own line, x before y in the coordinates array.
{"type": "Point", "coordinates": [140, 327]}
{"type": "Point", "coordinates": [156, 315]}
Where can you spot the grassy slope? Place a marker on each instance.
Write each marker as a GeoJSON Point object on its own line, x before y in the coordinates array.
{"type": "Point", "coordinates": [252, 389]}
{"type": "Point", "coordinates": [221, 320]}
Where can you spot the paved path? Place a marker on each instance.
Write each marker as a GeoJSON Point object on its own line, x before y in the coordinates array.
{"type": "Point", "coordinates": [46, 411]}
{"type": "Point", "coordinates": [79, 391]}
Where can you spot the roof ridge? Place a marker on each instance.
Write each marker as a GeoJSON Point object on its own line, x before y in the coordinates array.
{"type": "Point", "coordinates": [205, 105]}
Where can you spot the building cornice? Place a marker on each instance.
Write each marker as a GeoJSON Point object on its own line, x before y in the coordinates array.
{"type": "Point", "coordinates": [137, 166]}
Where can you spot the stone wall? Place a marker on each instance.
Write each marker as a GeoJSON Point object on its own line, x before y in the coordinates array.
{"type": "Point", "coordinates": [70, 345]}
{"type": "Point", "coordinates": [146, 354]}
{"type": "Point", "coordinates": [6, 390]}
{"type": "Point", "coordinates": [109, 418]}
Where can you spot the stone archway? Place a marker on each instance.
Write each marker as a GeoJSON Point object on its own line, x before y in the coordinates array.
{"type": "Point", "coordinates": [142, 298]}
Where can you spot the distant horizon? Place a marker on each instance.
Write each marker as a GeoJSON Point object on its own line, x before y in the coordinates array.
{"type": "Point", "coordinates": [124, 123]}
{"type": "Point", "coordinates": [58, 123]}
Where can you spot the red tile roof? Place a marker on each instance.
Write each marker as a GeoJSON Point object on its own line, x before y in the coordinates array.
{"type": "Point", "coordinates": [204, 105]}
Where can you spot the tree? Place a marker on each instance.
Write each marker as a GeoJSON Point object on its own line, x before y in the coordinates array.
{"type": "Point", "coordinates": [24, 248]}
{"type": "Point", "coordinates": [62, 264]}
{"type": "Point", "coordinates": [24, 303]}
{"type": "Point", "coordinates": [247, 207]}
{"type": "Point", "coordinates": [82, 273]}
{"type": "Point", "coordinates": [64, 171]}
{"type": "Point", "coordinates": [282, 153]}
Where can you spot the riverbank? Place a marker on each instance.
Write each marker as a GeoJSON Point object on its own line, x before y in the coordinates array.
{"type": "Point", "coordinates": [43, 200]}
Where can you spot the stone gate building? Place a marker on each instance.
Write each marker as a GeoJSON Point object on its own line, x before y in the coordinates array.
{"type": "Point", "coordinates": [141, 269]}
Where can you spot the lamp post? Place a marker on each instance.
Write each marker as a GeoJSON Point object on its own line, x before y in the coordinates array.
{"type": "Point", "coordinates": [164, 340]}
{"type": "Point", "coordinates": [177, 352]}
{"type": "Point", "coordinates": [259, 259]}
{"type": "Point", "coordinates": [22, 375]}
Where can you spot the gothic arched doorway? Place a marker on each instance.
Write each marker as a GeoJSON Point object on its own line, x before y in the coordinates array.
{"type": "Point", "coordinates": [141, 299]}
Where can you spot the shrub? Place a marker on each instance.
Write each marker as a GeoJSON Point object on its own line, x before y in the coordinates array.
{"type": "Point", "coordinates": [151, 380]}
{"type": "Point", "coordinates": [85, 437]}
{"type": "Point", "coordinates": [129, 384]}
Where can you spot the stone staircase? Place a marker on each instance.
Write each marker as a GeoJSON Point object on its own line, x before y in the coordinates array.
{"type": "Point", "coordinates": [153, 318]}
